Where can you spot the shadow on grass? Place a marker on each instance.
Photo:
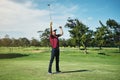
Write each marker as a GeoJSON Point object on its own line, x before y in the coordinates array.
{"type": "Point", "coordinates": [12, 55]}
{"type": "Point", "coordinates": [117, 52]}
{"type": "Point", "coordinates": [75, 71]}
{"type": "Point", "coordinates": [103, 54]}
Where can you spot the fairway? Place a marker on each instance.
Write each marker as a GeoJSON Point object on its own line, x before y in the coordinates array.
{"type": "Point", "coordinates": [31, 63]}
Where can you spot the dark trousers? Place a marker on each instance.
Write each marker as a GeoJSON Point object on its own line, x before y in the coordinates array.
{"type": "Point", "coordinates": [54, 54]}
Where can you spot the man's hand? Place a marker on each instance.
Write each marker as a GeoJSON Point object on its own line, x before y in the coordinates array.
{"type": "Point", "coordinates": [61, 30]}
{"type": "Point", "coordinates": [51, 28]}
{"type": "Point", "coordinates": [51, 23]}
{"type": "Point", "coordinates": [60, 27]}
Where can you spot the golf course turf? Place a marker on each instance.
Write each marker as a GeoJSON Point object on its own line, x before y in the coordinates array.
{"type": "Point", "coordinates": [31, 63]}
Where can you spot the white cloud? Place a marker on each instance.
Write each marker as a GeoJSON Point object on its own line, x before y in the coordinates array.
{"type": "Point", "coordinates": [60, 13]}
{"type": "Point", "coordinates": [84, 10]}
{"type": "Point", "coordinates": [20, 17]}
{"type": "Point", "coordinates": [17, 13]}
{"type": "Point", "coordinates": [23, 17]}
{"type": "Point", "coordinates": [90, 18]}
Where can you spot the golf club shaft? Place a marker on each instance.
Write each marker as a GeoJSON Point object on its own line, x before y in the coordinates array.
{"type": "Point", "coordinates": [50, 12]}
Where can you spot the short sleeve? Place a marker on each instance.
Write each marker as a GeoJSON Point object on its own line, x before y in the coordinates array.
{"type": "Point", "coordinates": [58, 35]}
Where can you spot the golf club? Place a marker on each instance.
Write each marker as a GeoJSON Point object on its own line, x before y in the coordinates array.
{"type": "Point", "coordinates": [50, 12]}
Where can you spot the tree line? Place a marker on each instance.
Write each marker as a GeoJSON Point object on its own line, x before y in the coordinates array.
{"type": "Point", "coordinates": [106, 35]}
{"type": "Point", "coordinates": [21, 42]}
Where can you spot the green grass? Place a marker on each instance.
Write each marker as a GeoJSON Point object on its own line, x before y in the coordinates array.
{"type": "Point", "coordinates": [74, 64]}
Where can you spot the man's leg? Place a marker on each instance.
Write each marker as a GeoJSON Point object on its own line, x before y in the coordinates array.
{"type": "Point", "coordinates": [57, 60]}
{"type": "Point", "coordinates": [51, 61]}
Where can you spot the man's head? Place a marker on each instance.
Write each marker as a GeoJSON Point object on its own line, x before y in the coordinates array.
{"type": "Point", "coordinates": [54, 32]}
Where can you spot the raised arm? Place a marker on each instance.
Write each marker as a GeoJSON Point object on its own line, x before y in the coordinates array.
{"type": "Point", "coordinates": [50, 28]}
{"type": "Point", "coordinates": [61, 31]}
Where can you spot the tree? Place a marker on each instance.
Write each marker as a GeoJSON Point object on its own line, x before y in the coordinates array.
{"type": "Point", "coordinates": [24, 42]}
{"type": "Point", "coordinates": [86, 39]}
{"type": "Point", "coordinates": [71, 42]}
{"type": "Point", "coordinates": [62, 42]}
{"type": "Point", "coordinates": [102, 35]}
{"type": "Point", "coordinates": [34, 42]}
{"type": "Point", "coordinates": [6, 41]}
{"type": "Point", "coordinates": [40, 33]}
{"type": "Point", "coordinates": [0, 42]}
{"type": "Point", "coordinates": [79, 32]}
{"type": "Point", "coordinates": [45, 37]}
{"type": "Point", "coordinates": [15, 42]}
{"type": "Point", "coordinates": [115, 28]}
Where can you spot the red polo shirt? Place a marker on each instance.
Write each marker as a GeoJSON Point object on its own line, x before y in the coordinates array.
{"type": "Point", "coordinates": [54, 41]}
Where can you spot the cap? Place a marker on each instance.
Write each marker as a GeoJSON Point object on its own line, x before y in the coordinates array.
{"type": "Point", "coordinates": [55, 30]}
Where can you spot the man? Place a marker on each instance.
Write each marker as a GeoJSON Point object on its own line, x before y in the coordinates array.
{"type": "Point", "coordinates": [54, 41]}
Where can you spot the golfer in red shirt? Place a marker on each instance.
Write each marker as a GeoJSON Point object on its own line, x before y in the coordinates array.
{"type": "Point", "coordinates": [54, 41]}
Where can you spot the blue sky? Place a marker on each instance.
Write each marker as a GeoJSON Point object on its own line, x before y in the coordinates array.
{"type": "Point", "coordinates": [23, 18]}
